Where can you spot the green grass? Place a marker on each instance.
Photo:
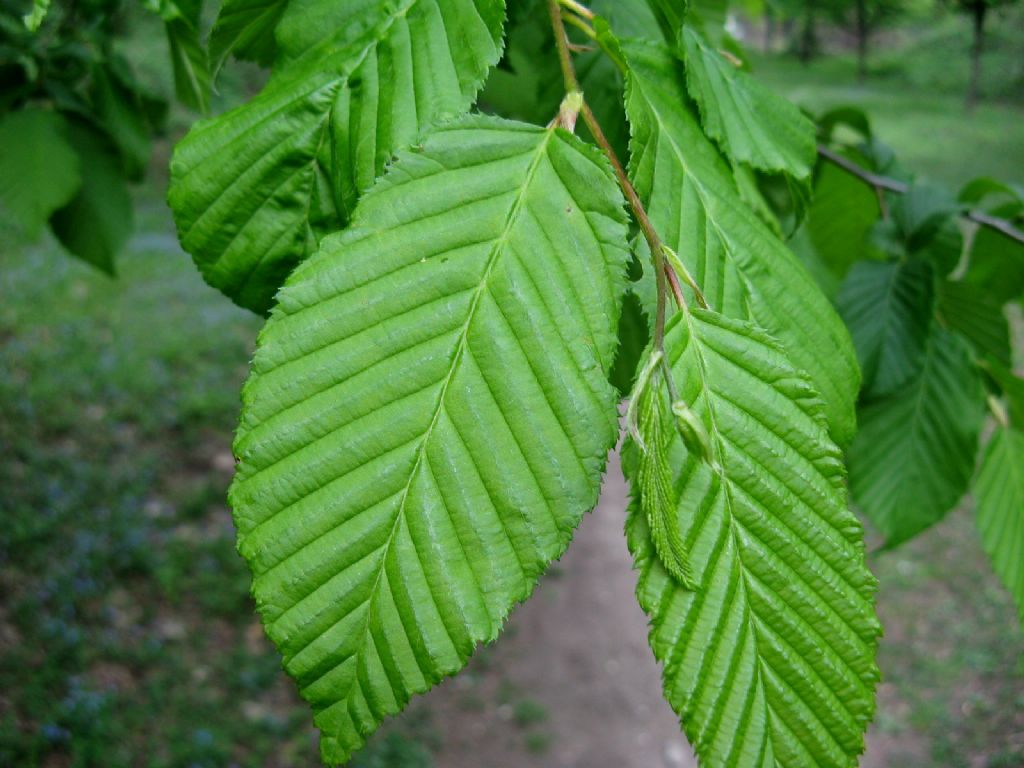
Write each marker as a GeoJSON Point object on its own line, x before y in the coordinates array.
{"type": "Point", "coordinates": [932, 135]}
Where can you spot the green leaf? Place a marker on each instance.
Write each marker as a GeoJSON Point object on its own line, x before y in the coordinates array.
{"type": "Point", "coordinates": [98, 221]}
{"type": "Point", "coordinates": [914, 454]}
{"type": "Point", "coordinates": [976, 316]}
{"type": "Point", "coordinates": [750, 123]}
{"type": "Point", "coordinates": [192, 79]}
{"type": "Point", "coordinates": [429, 414]}
{"type": "Point", "coordinates": [996, 263]}
{"type": "Point", "coordinates": [999, 492]}
{"type": "Point", "coordinates": [744, 270]}
{"type": "Point", "coordinates": [888, 308]}
{"type": "Point", "coordinates": [119, 111]}
{"type": "Point", "coordinates": [770, 660]}
{"type": "Point", "coordinates": [34, 19]}
{"type": "Point", "coordinates": [39, 170]}
{"type": "Point", "coordinates": [254, 190]}
{"type": "Point", "coordinates": [842, 212]}
{"type": "Point", "coordinates": [245, 29]}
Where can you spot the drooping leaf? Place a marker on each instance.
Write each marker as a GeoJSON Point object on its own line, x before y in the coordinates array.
{"type": "Point", "coordinates": [770, 659]}
{"type": "Point", "coordinates": [913, 456]}
{"type": "Point", "coordinates": [39, 170]}
{"type": "Point", "coordinates": [921, 212]}
{"type": "Point", "coordinates": [743, 269]}
{"type": "Point", "coordinates": [976, 316]}
{"type": "Point", "coordinates": [999, 494]}
{"type": "Point", "coordinates": [255, 189]}
{"type": "Point", "coordinates": [996, 263]}
{"type": "Point", "coordinates": [245, 29]}
{"type": "Point", "coordinates": [888, 308]}
{"type": "Point", "coordinates": [97, 222]}
{"type": "Point", "coordinates": [192, 78]}
{"type": "Point", "coordinates": [843, 209]}
{"type": "Point", "coordinates": [751, 124]}
{"type": "Point", "coordinates": [429, 414]}
{"type": "Point", "coordinates": [118, 109]}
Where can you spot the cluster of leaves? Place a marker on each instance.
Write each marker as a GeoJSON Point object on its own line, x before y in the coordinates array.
{"type": "Point", "coordinates": [76, 124]}
{"type": "Point", "coordinates": [430, 407]}
{"type": "Point", "coordinates": [925, 290]}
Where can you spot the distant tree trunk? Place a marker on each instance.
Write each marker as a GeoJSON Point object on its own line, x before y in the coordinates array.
{"type": "Point", "coordinates": [978, 12]}
{"type": "Point", "coordinates": [807, 46]}
{"type": "Point", "coordinates": [863, 31]}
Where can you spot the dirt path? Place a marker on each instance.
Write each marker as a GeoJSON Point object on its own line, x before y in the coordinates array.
{"type": "Point", "coordinates": [572, 683]}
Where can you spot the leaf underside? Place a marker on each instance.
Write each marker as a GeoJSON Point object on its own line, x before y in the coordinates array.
{"type": "Point", "coordinates": [255, 189]}
{"type": "Point", "coordinates": [429, 414]}
{"type": "Point", "coordinates": [743, 269]}
{"type": "Point", "coordinates": [770, 660]}
{"type": "Point", "coordinates": [914, 454]}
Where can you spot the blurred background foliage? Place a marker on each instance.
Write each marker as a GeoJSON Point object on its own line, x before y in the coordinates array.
{"type": "Point", "coordinates": [127, 636]}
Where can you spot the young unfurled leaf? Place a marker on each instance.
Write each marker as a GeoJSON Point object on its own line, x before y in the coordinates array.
{"type": "Point", "coordinates": [255, 189]}
{"type": "Point", "coordinates": [769, 661]}
{"type": "Point", "coordinates": [742, 268]}
{"type": "Point", "coordinates": [654, 478]}
{"type": "Point", "coordinates": [429, 414]}
{"type": "Point", "coordinates": [914, 454]}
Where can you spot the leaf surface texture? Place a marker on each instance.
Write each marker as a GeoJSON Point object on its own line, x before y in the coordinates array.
{"type": "Point", "coordinates": [255, 189]}
{"type": "Point", "coordinates": [743, 269]}
{"type": "Point", "coordinates": [429, 414]}
{"type": "Point", "coordinates": [769, 661]}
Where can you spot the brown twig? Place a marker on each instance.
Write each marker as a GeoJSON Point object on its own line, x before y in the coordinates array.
{"type": "Point", "coordinates": [885, 184]}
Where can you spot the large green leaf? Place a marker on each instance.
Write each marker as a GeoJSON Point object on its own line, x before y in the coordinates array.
{"type": "Point", "coordinates": [429, 414]}
{"type": "Point", "coordinates": [914, 454]}
{"type": "Point", "coordinates": [254, 190]}
{"type": "Point", "coordinates": [743, 269]}
{"type": "Point", "coordinates": [888, 308]}
{"type": "Point", "coordinates": [769, 661]}
{"type": "Point", "coordinates": [751, 124]}
{"type": "Point", "coordinates": [999, 493]}
{"type": "Point", "coordinates": [39, 170]}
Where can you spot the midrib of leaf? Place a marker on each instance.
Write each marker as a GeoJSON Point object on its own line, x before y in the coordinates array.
{"type": "Point", "coordinates": [751, 618]}
{"type": "Point", "coordinates": [492, 259]}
